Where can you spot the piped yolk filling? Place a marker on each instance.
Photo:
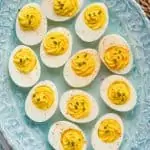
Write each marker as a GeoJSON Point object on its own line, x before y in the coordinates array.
{"type": "Point", "coordinates": [83, 64]}
{"type": "Point", "coordinates": [119, 92]}
{"type": "Point", "coordinates": [117, 57]}
{"type": "Point", "coordinates": [78, 106]}
{"type": "Point", "coordinates": [95, 17]}
{"type": "Point", "coordinates": [72, 139]}
{"type": "Point", "coordinates": [56, 43]}
{"type": "Point", "coordinates": [66, 8]}
{"type": "Point", "coordinates": [43, 97]}
{"type": "Point", "coordinates": [29, 18]}
{"type": "Point", "coordinates": [24, 60]}
{"type": "Point", "coordinates": [109, 130]}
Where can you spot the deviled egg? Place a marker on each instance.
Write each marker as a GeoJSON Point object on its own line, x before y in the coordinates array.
{"type": "Point", "coordinates": [42, 101]}
{"type": "Point", "coordinates": [82, 68]}
{"type": "Point", "coordinates": [24, 67]}
{"type": "Point", "coordinates": [92, 22]}
{"type": "Point", "coordinates": [56, 47]}
{"type": "Point", "coordinates": [78, 106]}
{"type": "Point", "coordinates": [61, 10]}
{"type": "Point", "coordinates": [31, 24]}
{"type": "Point", "coordinates": [64, 135]}
{"type": "Point", "coordinates": [116, 54]}
{"type": "Point", "coordinates": [118, 93]}
{"type": "Point", "coordinates": [108, 133]}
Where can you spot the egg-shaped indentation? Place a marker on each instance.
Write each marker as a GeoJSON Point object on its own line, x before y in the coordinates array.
{"type": "Point", "coordinates": [31, 24]}
{"type": "Point", "coordinates": [61, 10]}
{"type": "Point", "coordinates": [118, 93]}
{"type": "Point", "coordinates": [82, 68]}
{"type": "Point", "coordinates": [66, 135]}
{"type": "Point", "coordinates": [56, 47]}
{"type": "Point", "coordinates": [24, 67]}
{"type": "Point", "coordinates": [42, 101]}
{"type": "Point", "coordinates": [92, 22]}
{"type": "Point", "coordinates": [116, 54]}
{"type": "Point", "coordinates": [78, 106]}
{"type": "Point", "coordinates": [108, 132]}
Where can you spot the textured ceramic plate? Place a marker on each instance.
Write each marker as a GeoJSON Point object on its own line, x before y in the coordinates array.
{"type": "Point", "coordinates": [127, 19]}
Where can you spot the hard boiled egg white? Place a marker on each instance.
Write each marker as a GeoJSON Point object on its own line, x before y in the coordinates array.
{"type": "Point", "coordinates": [86, 33]}
{"type": "Point", "coordinates": [98, 143]}
{"type": "Point", "coordinates": [93, 106]}
{"type": "Point", "coordinates": [23, 79]}
{"type": "Point", "coordinates": [36, 114]}
{"type": "Point", "coordinates": [54, 61]}
{"type": "Point", "coordinates": [130, 104]}
{"type": "Point", "coordinates": [32, 37]}
{"type": "Point", "coordinates": [75, 80]}
{"type": "Point", "coordinates": [56, 131]}
{"type": "Point", "coordinates": [115, 40]}
{"type": "Point", "coordinates": [48, 9]}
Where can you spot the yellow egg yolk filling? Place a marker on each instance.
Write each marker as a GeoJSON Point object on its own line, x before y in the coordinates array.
{"type": "Point", "coordinates": [56, 43]}
{"type": "Point", "coordinates": [119, 92]}
{"type": "Point", "coordinates": [72, 139]}
{"type": "Point", "coordinates": [29, 18]}
{"type": "Point", "coordinates": [109, 131]}
{"type": "Point", "coordinates": [83, 64]}
{"type": "Point", "coordinates": [117, 57]}
{"type": "Point", "coordinates": [43, 97]}
{"type": "Point", "coordinates": [66, 8]}
{"type": "Point", "coordinates": [95, 17]}
{"type": "Point", "coordinates": [78, 106]}
{"type": "Point", "coordinates": [24, 60]}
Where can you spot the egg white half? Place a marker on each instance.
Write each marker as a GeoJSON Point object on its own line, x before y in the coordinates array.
{"type": "Point", "coordinates": [97, 143]}
{"type": "Point", "coordinates": [77, 81]}
{"type": "Point", "coordinates": [57, 61]}
{"type": "Point", "coordinates": [32, 37]}
{"type": "Point", "coordinates": [21, 79]}
{"type": "Point", "coordinates": [114, 40]}
{"type": "Point", "coordinates": [104, 88]}
{"type": "Point", "coordinates": [47, 8]}
{"type": "Point", "coordinates": [35, 113]}
{"type": "Point", "coordinates": [54, 135]}
{"type": "Point", "coordinates": [84, 32]}
{"type": "Point", "coordinates": [63, 106]}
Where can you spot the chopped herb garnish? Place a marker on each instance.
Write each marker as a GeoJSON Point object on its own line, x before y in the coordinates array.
{"type": "Point", "coordinates": [29, 22]}
{"type": "Point", "coordinates": [79, 64]}
{"type": "Point", "coordinates": [34, 95]}
{"type": "Point", "coordinates": [85, 55]}
{"type": "Point", "coordinates": [77, 103]}
{"type": "Point", "coordinates": [76, 107]}
{"type": "Point", "coordinates": [38, 99]}
{"type": "Point", "coordinates": [72, 143]}
{"type": "Point", "coordinates": [99, 12]}
{"type": "Point", "coordinates": [55, 42]}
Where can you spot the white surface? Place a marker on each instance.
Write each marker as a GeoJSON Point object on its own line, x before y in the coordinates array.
{"type": "Point", "coordinates": [104, 89]}
{"type": "Point", "coordinates": [63, 106]}
{"type": "Point", "coordinates": [21, 79]}
{"type": "Point", "coordinates": [32, 37]}
{"type": "Point", "coordinates": [97, 143]}
{"type": "Point", "coordinates": [56, 130]}
{"type": "Point", "coordinates": [115, 40]}
{"type": "Point", "coordinates": [57, 61]}
{"type": "Point", "coordinates": [84, 32]}
{"type": "Point", "coordinates": [35, 113]}
{"type": "Point", "coordinates": [47, 8]}
{"type": "Point", "coordinates": [77, 81]}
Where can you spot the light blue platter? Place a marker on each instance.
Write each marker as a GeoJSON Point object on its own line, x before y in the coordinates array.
{"type": "Point", "coordinates": [127, 19]}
